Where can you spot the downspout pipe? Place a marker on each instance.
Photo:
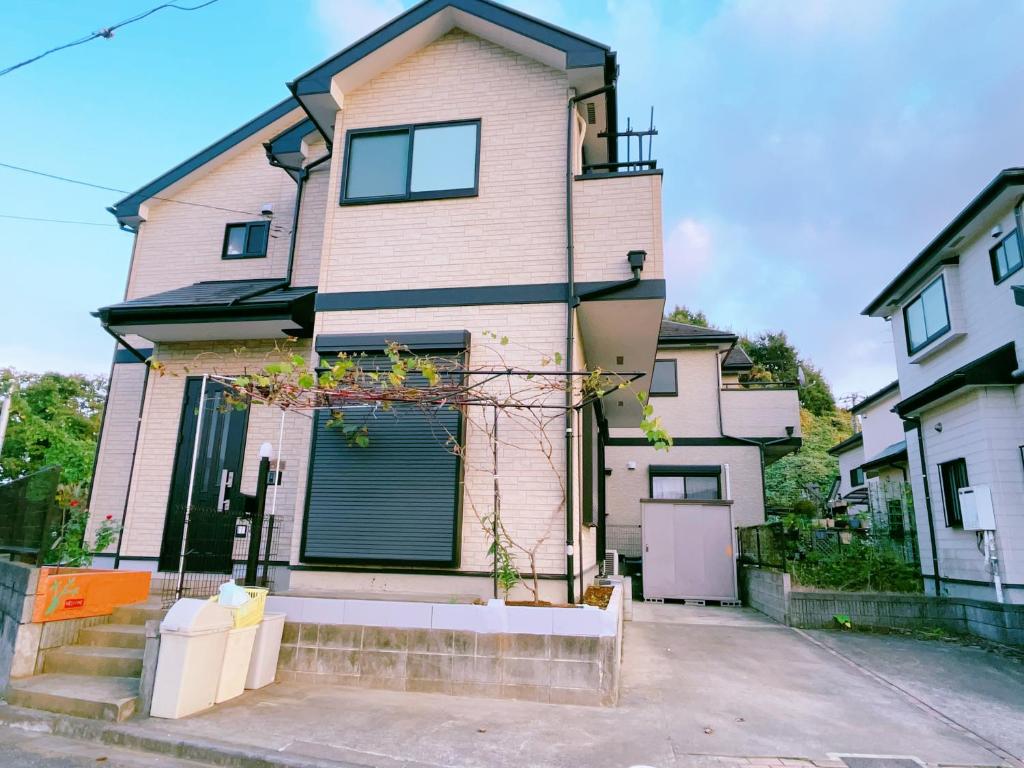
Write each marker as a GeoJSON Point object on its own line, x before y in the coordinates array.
{"type": "Point", "coordinates": [915, 423]}
{"type": "Point", "coordinates": [571, 300]}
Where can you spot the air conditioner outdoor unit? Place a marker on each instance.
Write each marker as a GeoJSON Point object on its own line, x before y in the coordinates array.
{"type": "Point", "coordinates": [976, 508]}
{"type": "Point", "coordinates": [611, 562]}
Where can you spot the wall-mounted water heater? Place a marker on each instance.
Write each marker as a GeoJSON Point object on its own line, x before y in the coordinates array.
{"type": "Point", "coordinates": [976, 508]}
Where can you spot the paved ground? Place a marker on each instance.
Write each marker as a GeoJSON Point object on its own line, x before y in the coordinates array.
{"type": "Point", "coordinates": [700, 686]}
{"type": "Point", "coordinates": [21, 749]}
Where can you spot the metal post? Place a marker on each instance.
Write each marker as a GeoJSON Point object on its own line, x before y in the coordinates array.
{"type": "Point", "coordinates": [497, 498]}
{"type": "Point", "coordinates": [5, 413]}
{"type": "Point", "coordinates": [256, 526]}
{"type": "Point", "coordinates": [191, 485]}
{"type": "Point", "coordinates": [757, 538]}
{"type": "Point", "coordinates": [266, 550]}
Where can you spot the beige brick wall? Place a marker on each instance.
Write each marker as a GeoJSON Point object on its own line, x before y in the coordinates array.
{"type": "Point", "coordinates": [117, 443]}
{"type": "Point", "coordinates": [516, 226]}
{"type": "Point", "coordinates": [694, 411]}
{"type": "Point", "coordinates": [147, 504]}
{"type": "Point", "coordinates": [612, 216]}
{"type": "Point", "coordinates": [181, 244]}
{"type": "Point", "coordinates": [531, 490]}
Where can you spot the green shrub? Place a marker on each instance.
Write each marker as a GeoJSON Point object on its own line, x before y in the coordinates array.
{"type": "Point", "coordinates": [856, 567]}
{"type": "Point", "coordinates": [70, 546]}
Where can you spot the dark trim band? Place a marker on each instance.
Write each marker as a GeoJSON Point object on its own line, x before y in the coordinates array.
{"type": "Point", "coordinates": [480, 295]}
{"type": "Point", "coordinates": [437, 341]}
{"type": "Point", "coordinates": [125, 357]}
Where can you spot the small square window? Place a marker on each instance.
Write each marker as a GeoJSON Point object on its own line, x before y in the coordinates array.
{"type": "Point", "coordinates": [954, 477]}
{"type": "Point", "coordinates": [246, 241]}
{"type": "Point", "coordinates": [686, 482]}
{"type": "Point", "coordinates": [1006, 257]}
{"type": "Point", "coordinates": [663, 380]}
{"type": "Point", "coordinates": [856, 477]}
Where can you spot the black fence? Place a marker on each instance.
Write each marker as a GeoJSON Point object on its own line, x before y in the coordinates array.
{"type": "Point", "coordinates": [774, 545]}
{"type": "Point", "coordinates": [30, 518]}
{"type": "Point", "coordinates": [219, 548]}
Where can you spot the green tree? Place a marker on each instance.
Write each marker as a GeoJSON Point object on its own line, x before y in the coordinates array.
{"type": "Point", "coordinates": [808, 473]}
{"type": "Point", "coordinates": [55, 419]}
{"type": "Point", "coordinates": [684, 315]}
{"type": "Point", "coordinates": [776, 359]}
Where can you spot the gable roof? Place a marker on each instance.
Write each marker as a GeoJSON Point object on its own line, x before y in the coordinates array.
{"type": "Point", "coordinates": [873, 398]}
{"type": "Point", "coordinates": [928, 259]}
{"type": "Point", "coordinates": [893, 454]}
{"type": "Point", "coordinates": [854, 440]}
{"type": "Point", "coordinates": [737, 360]}
{"type": "Point", "coordinates": [427, 21]}
{"type": "Point", "coordinates": [127, 208]}
{"type": "Point", "coordinates": [673, 334]}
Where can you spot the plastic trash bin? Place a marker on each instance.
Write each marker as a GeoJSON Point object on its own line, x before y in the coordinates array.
{"type": "Point", "coordinates": [193, 638]}
{"type": "Point", "coordinates": [237, 654]}
{"type": "Point", "coordinates": [263, 666]}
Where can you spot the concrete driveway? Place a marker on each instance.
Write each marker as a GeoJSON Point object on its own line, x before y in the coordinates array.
{"type": "Point", "coordinates": [701, 687]}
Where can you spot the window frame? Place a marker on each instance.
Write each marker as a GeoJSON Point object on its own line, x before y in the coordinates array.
{"type": "Point", "coordinates": [409, 195]}
{"type": "Point", "coordinates": [685, 471]}
{"type": "Point", "coordinates": [675, 379]}
{"type": "Point", "coordinates": [249, 226]}
{"type": "Point", "coordinates": [951, 500]}
{"type": "Point", "coordinates": [992, 257]}
{"type": "Point", "coordinates": [911, 349]}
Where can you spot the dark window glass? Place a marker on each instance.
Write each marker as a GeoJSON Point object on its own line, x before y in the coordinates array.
{"type": "Point", "coordinates": [954, 477]}
{"type": "Point", "coordinates": [444, 158]}
{"type": "Point", "coordinates": [686, 485]}
{"type": "Point", "coordinates": [927, 316]}
{"type": "Point", "coordinates": [1006, 257]}
{"type": "Point", "coordinates": [856, 476]}
{"type": "Point", "coordinates": [663, 380]}
{"type": "Point", "coordinates": [378, 165]}
{"type": "Point", "coordinates": [412, 163]}
{"type": "Point", "coordinates": [246, 241]}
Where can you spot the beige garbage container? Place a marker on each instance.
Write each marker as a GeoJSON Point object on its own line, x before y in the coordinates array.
{"type": "Point", "coordinates": [193, 638]}
{"type": "Point", "coordinates": [237, 654]}
{"type": "Point", "coordinates": [263, 666]}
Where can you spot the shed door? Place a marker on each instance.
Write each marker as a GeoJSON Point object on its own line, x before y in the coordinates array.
{"type": "Point", "coordinates": [688, 551]}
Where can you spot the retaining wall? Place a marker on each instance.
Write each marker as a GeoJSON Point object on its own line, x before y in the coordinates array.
{"type": "Point", "coordinates": [560, 655]}
{"type": "Point", "coordinates": [771, 593]}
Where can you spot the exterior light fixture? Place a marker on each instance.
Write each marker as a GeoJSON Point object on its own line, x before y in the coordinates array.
{"type": "Point", "coordinates": [266, 451]}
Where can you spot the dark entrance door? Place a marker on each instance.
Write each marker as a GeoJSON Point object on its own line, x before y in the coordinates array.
{"type": "Point", "coordinates": [216, 498]}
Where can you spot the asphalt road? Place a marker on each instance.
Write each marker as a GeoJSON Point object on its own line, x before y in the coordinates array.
{"type": "Point", "coordinates": [22, 749]}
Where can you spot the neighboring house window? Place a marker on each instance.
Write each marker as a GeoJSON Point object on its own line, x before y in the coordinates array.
{"type": "Point", "coordinates": [856, 476]}
{"type": "Point", "coordinates": [686, 482]}
{"type": "Point", "coordinates": [246, 241]}
{"type": "Point", "coordinates": [1006, 257]}
{"type": "Point", "coordinates": [663, 381]}
{"type": "Point", "coordinates": [413, 162]}
{"type": "Point", "coordinates": [954, 477]}
{"type": "Point", "coordinates": [927, 316]}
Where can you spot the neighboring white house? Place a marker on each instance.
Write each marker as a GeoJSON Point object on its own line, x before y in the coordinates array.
{"type": "Point", "coordinates": [957, 329]}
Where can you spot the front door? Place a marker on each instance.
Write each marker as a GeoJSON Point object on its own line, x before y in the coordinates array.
{"type": "Point", "coordinates": [216, 498]}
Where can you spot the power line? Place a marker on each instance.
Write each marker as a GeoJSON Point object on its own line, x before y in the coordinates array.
{"type": "Point", "coordinates": [56, 221]}
{"type": "Point", "coordinates": [55, 177]}
{"type": "Point", "coordinates": [106, 32]}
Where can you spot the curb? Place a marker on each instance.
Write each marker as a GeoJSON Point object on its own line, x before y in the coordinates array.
{"type": "Point", "coordinates": [128, 736]}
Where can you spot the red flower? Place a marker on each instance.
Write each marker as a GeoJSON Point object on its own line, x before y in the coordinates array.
{"type": "Point", "coordinates": [74, 502]}
{"type": "Point", "coordinates": [110, 517]}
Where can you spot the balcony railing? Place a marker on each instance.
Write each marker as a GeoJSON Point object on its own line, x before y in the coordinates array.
{"type": "Point", "coordinates": [761, 411]}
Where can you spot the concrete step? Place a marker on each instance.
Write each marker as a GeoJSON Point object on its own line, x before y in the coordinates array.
{"type": "Point", "coordinates": [114, 636]}
{"type": "Point", "coordinates": [100, 698]}
{"type": "Point", "coordinates": [94, 660]}
{"type": "Point", "coordinates": [139, 613]}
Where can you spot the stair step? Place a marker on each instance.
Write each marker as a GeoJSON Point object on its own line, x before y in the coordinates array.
{"type": "Point", "coordinates": [114, 636]}
{"type": "Point", "coordinates": [101, 698]}
{"type": "Point", "coordinates": [139, 613]}
{"type": "Point", "coordinates": [94, 660]}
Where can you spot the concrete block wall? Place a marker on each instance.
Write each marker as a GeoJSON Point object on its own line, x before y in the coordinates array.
{"type": "Point", "coordinates": [548, 668]}
{"type": "Point", "coordinates": [767, 591]}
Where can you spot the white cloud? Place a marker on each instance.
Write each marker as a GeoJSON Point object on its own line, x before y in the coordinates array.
{"type": "Point", "coordinates": [689, 250]}
{"type": "Point", "coordinates": [344, 21]}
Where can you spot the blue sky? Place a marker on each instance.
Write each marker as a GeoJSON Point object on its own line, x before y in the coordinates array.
{"type": "Point", "coordinates": [810, 147]}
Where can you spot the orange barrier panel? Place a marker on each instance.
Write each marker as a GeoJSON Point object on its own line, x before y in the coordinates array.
{"type": "Point", "coordinates": [79, 593]}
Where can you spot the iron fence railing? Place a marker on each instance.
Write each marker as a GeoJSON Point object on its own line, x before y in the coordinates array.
{"type": "Point", "coordinates": [30, 518]}
{"type": "Point", "coordinates": [774, 545]}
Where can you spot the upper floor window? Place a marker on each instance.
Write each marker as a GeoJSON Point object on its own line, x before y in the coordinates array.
{"type": "Point", "coordinates": [954, 477]}
{"type": "Point", "coordinates": [246, 241]}
{"type": "Point", "coordinates": [927, 316]}
{"type": "Point", "coordinates": [412, 162]}
{"type": "Point", "coordinates": [663, 380]}
{"type": "Point", "coordinates": [1006, 257]}
{"type": "Point", "coordinates": [856, 477]}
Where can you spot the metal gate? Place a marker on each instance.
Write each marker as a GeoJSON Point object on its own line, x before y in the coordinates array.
{"type": "Point", "coordinates": [688, 550]}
